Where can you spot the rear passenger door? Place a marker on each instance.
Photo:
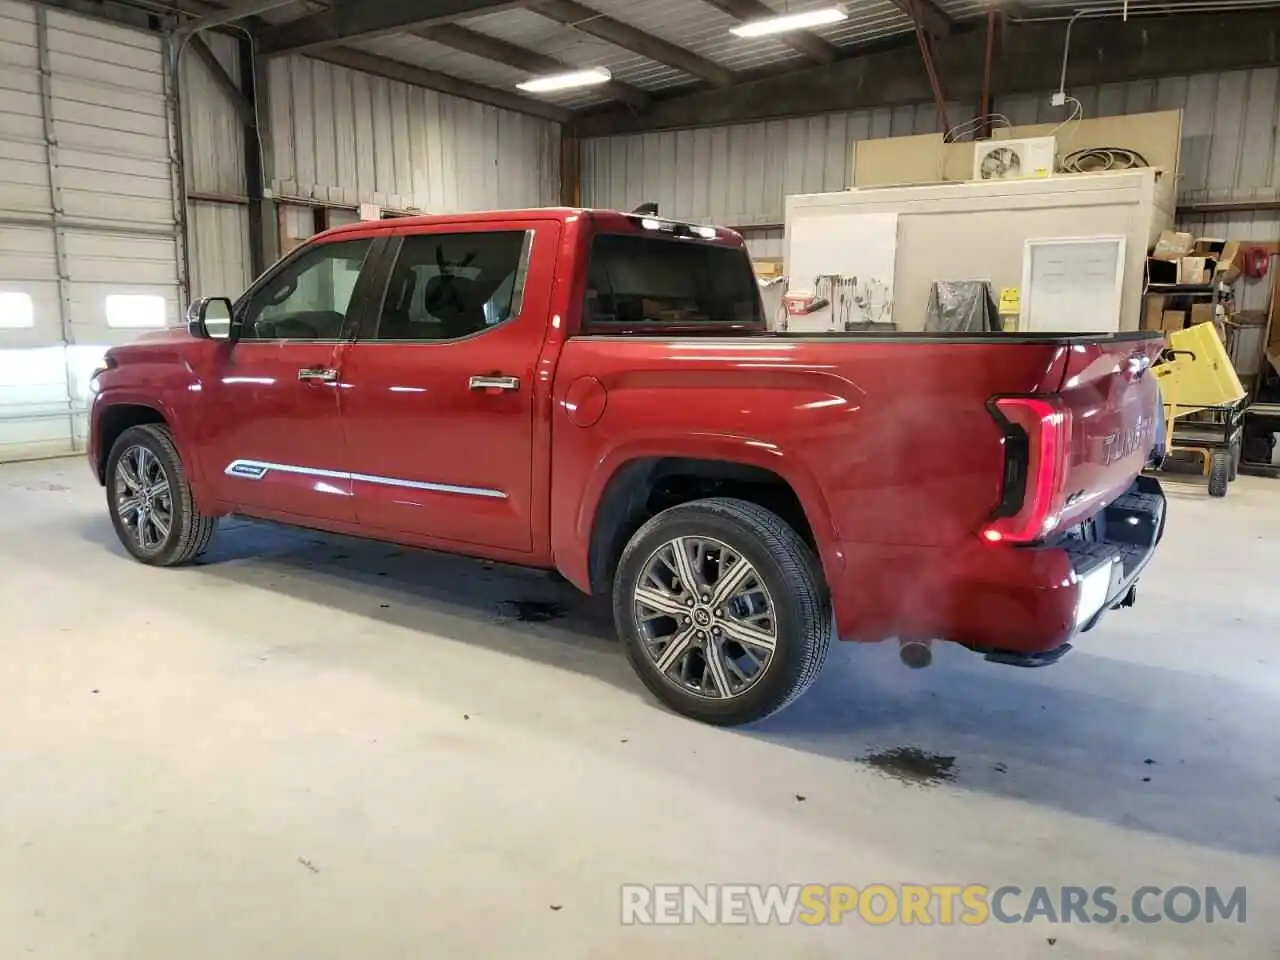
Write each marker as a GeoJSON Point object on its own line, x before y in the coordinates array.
{"type": "Point", "coordinates": [439, 406]}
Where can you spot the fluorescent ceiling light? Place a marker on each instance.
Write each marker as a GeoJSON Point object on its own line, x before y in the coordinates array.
{"type": "Point", "coordinates": [789, 21]}
{"type": "Point", "coordinates": [566, 81]}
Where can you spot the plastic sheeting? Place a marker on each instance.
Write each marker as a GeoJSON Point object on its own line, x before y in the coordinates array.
{"type": "Point", "coordinates": [962, 306]}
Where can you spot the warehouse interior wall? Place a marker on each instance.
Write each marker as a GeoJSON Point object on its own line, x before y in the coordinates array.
{"type": "Point", "coordinates": [336, 139]}
{"type": "Point", "coordinates": [740, 175]}
{"type": "Point", "coordinates": [344, 138]}
{"type": "Point", "coordinates": [124, 191]}
{"type": "Point", "coordinates": [90, 246]}
{"type": "Point", "coordinates": [213, 154]}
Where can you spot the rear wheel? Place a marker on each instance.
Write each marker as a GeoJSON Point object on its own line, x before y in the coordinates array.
{"type": "Point", "coordinates": [722, 609]}
{"type": "Point", "coordinates": [1219, 473]}
{"type": "Point", "coordinates": [149, 498]}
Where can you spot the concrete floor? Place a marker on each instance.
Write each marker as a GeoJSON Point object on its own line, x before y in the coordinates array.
{"type": "Point", "coordinates": [315, 748]}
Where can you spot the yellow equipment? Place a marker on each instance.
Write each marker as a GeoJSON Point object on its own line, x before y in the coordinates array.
{"type": "Point", "coordinates": [1197, 380]}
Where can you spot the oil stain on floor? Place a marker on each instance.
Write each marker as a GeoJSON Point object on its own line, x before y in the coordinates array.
{"type": "Point", "coordinates": [531, 611]}
{"type": "Point", "coordinates": [912, 765]}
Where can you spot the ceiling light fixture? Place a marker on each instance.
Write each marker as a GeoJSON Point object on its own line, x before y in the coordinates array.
{"type": "Point", "coordinates": [789, 21]}
{"type": "Point", "coordinates": [566, 81]}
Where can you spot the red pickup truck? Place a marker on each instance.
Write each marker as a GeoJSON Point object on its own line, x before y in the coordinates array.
{"type": "Point", "coordinates": [598, 393]}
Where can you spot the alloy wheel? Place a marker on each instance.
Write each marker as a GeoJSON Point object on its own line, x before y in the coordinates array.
{"type": "Point", "coordinates": [144, 498]}
{"type": "Point", "coordinates": [705, 617]}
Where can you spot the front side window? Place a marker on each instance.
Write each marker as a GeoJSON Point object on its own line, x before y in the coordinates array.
{"type": "Point", "coordinates": [450, 286]}
{"type": "Point", "coordinates": [309, 298]}
{"type": "Point", "coordinates": [636, 279]}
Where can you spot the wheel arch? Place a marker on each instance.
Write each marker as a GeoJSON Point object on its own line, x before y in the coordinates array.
{"type": "Point", "coordinates": [637, 487]}
{"type": "Point", "coordinates": [113, 420]}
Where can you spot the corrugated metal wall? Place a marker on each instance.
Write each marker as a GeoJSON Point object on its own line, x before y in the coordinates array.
{"type": "Point", "coordinates": [213, 154]}
{"type": "Point", "coordinates": [344, 137]}
{"type": "Point", "coordinates": [1230, 147]}
{"type": "Point", "coordinates": [740, 175]}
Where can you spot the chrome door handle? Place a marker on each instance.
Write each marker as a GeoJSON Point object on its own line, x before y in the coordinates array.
{"type": "Point", "coordinates": [495, 383]}
{"type": "Point", "coordinates": [320, 376]}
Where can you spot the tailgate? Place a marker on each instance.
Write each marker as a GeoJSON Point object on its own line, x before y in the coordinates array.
{"type": "Point", "coordinates": [1071, 451]}
{"type": "Point", "coordinates": [1110, 392]}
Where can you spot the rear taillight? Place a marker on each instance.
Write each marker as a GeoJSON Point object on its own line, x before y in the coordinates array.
{"type": "Point", "coordinates": [1037, 444]}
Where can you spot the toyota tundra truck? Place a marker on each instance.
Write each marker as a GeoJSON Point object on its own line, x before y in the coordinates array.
{"type": "Point", "coordinates": [599, 394]}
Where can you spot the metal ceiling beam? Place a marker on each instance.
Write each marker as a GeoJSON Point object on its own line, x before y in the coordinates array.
{"type": "Point", "coordinates": [233, 12]}
{"type": "Point", "coordinates": [927, 14]}
{"type": "Point", "coordinates": [356, 19]}
{"type": "Point", "coordinates": [223, 79]}
{"type": "Point", "coordinates": [391, 69]}
{"type": "Point", "coordinates": [520, 58]}
{"type": "Point", "coordinates": [1103, 50]}
{"type": "Point", "coordinates": [440, 82]}
{"type": "Point", "coordinates": [802, 41]}
{"type": "Point", "coordinates": [574, 14]}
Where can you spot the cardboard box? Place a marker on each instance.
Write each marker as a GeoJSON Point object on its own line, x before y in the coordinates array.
{"type": "Point", "coordinates": [1172, 320]}
{"type": "Point", "coordinates": [1173, 246]}
{"type": "Point", "coordinates": [1225, 255]}
{"type": "Point", "coordinates": [1195, 270]}
{"type": "Point", "coordinates": [1229, 268]}
{"type": "Point", "coordinates": [1162, 271]}
{"type": "Point", "coordinates": [1153, 312]}
{"type": "Point", "coordinates": [1201, 313]}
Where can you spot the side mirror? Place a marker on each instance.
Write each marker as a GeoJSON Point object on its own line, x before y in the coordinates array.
{"type": "Point", "coordinates": [209, 318]}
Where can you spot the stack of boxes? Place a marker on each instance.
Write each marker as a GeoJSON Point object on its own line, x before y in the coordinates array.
{"type": "Point", "coordinates": [1189, 282]}
{"type": "Point", "coordinates": [1180, 261]}
{"type": "Point", "coordinates": [1180, 258]}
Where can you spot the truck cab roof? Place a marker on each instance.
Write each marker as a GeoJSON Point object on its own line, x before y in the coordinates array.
{"type": "Point", "coordinates": [606, 220]}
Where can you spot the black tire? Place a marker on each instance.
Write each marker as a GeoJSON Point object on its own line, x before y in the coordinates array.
{"type": "Point", "coordinates": [1219, 473]}
{"type": "Point", "coordinates": [789, 571]}
{"type": "Point", "coordinates": [188, 533]}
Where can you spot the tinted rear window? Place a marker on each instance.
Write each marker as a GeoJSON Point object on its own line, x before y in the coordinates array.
{"type": "Point", "coordinates": [651, 280]}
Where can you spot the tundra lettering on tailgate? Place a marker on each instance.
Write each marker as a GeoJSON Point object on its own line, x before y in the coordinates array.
{"type": "Point", "coordinates": [1122, 443]}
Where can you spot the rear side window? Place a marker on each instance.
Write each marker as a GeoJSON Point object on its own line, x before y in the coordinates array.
{"type": "Point", "coordinates": [636, 279]}
{"type": "Point", "coordinates": [453, 285]}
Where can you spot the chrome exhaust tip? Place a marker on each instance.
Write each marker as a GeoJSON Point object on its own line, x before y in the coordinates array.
{"type": "Point", "coordinates": [916, 654]}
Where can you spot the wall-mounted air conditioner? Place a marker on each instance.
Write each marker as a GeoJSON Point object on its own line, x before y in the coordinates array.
{"type": "Point", "coordinates": [1013, 159]}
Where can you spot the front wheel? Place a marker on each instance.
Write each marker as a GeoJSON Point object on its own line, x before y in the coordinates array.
{"type": "Point", "coordinates": [149, 497]}
{"type": "Point", "coordinates": [722, 610]}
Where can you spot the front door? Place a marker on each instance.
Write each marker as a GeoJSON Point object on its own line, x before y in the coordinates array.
{"type": "Point", "coordinates": [276, 435]}
{"type": "Point", "coordinates": [439, 411]}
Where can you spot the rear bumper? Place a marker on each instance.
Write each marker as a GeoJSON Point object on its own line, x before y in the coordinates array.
{"type": "Point", "coordinates": [1015, 604]}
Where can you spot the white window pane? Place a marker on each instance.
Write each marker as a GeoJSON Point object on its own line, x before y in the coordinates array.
{"type": "Point", "coordinates": [135, 310]}
{"type": "Point", "coordinates": [16, 310]}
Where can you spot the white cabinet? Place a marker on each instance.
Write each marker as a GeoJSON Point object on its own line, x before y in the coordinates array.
{"type": "Point", "coordinates": [979, 231]}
